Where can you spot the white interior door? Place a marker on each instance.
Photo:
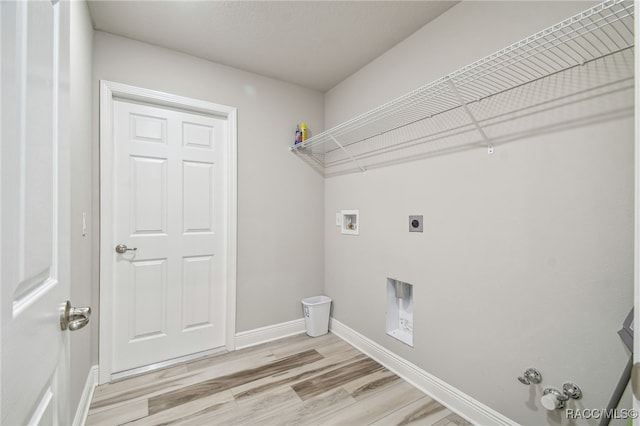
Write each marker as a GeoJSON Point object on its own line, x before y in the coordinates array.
{"type": "Point", "coordinates": [170, 211]}
{"type": "Point", "coordinates": [35, 213]}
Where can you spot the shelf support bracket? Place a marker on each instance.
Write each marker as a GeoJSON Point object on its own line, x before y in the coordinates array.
{"type": "Point", "coordinates": [473, 119]}
{"type": "Point", "coordinates": [348, 154]}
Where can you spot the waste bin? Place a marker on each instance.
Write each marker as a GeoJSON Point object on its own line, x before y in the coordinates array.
{"type": "Point", "coordinates": [316, 314]}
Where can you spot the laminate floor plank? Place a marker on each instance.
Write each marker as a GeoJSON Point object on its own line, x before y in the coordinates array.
{"type": "Point", "coordinates": [267, 405]}
{"type": "Point", "coordinates": [303, 343]}
{"type": "Point", "coordinates": [139, 393]}
{"type": "Point", "coordinates": [371, 383]}
{"type": "Point", "coordinates": [296, 380]}
{"type": "Point", "coordinates": [334, 346]}
{"type": "Point", "coordinates": [374, 407]}
{"type": "Point", "coordinates": [334, 378]}
{"type": "Point", "coordinates": [424, 411]}
{"type": "Point", "coordinates": [218, 384]}
{"type": "Point", "coordinates": [295, 375]}
{"type": "Point", "coordinates": [118, 415]}
{"type": "Point", "coordinates": [124, 385]}
{"type": "Point", "coordinates": [150, 389]}
{"type": "Point", "coordinates": [168, 380]}
{"type": "Point", "coordinates": [224, 364]}
{"type": "Point", "coordinates": [218, 402]}
{"type": "Point", "coordinates": [235, 357]}
{"type": "Point", "coordinates": [310, 410]}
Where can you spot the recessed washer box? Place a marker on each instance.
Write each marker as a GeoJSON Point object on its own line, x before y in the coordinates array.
{"type": "Point", "coordinates": [415, 223]}
{"type": "Point", "coordinates": [350, 222]}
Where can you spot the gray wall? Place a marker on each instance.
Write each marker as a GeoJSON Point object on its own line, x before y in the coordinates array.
{"type": "Point", "coordinates": [280, 199]}
{"type": "Point", "coordinates": [81, 36]}
{"type": "Point", "coordinates": [527, 255]}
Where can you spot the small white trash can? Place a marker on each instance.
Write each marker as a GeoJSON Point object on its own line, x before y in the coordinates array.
{"type": "Point", "coordinates": [316, 315]}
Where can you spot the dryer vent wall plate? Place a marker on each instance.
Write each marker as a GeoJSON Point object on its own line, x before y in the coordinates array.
{"type": "Point", "coordinates": [415, 223]}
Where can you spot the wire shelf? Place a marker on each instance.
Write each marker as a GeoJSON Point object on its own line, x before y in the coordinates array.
{"type": "Point", "coordinates": [578, 70]}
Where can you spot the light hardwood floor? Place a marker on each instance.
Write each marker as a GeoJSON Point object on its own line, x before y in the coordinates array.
{"type": "Point", "coordinates": [298, 380]}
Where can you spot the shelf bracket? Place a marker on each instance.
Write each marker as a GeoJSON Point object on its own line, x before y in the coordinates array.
{"type": "Point", "coordinates": [348, 154]}
{"type": "Point", "coordinates": [473, 119]}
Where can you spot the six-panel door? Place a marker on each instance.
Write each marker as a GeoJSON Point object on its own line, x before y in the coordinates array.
{"type": "Point", "coordinates": [169, 205]}
{"type": "Point", "coordinates": [35, 212]}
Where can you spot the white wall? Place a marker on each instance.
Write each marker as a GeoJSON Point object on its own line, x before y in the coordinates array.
{"type": "Point", "coordinates": [280, 199]}
{"type": "Point", "coordinates": [81, 38]}
{"type": "Point", "coordinates": [527, 255]}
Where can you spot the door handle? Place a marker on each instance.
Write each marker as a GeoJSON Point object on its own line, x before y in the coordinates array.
{"type": "Point", "coordinates": [121, 248]}
{"type": "Point", "coordinates": [74, 318]}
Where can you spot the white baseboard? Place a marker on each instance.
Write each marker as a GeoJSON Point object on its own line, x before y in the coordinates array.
{"type": "Point", "coordinates": [254, 337]}
{"type": "Point", "coordinates": [87, 395]}
{"type": "Point", "coordinates": [452, 398]}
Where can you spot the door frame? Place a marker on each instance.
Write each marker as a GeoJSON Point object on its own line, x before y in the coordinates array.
{"type": "Point", "coordinates": [108, 91]}
{"type": "Point", "coordinates": [636, 255]}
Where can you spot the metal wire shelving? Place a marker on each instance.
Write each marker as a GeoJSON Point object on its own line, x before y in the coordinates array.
{"type": "Point", "coordinates": [580, 69]}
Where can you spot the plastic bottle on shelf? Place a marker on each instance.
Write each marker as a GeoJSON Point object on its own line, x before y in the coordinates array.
{"type": "Point", "coordinates": [303, 129]}
{"type": "Point", "coordinates": [298, 135]}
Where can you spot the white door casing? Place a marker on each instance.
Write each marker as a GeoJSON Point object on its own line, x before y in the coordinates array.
{"type": "Point", "coordinates": [35, 212]}
{"type": "Point", "coordinates": [168, 174]}
{"type": "Point", "coordinates": [636, 257]}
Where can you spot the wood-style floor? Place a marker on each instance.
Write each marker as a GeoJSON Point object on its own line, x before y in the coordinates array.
{"type": "Point", "coordinates": [298, 380]}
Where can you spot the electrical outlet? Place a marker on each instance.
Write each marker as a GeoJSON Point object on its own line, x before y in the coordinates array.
{"type": "Point", "coordinates": [415, 223]}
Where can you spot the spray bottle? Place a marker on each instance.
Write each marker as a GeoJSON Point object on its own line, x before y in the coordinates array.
{"type": "Point", "coordinates": [298, 135]}
{"type": "Point", "coordinates": [303, 129]}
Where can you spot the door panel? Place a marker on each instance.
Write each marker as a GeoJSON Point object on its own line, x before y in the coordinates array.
{"type": "Point", "coordinates": [35, 212]}
{"type": "Point", "coordinates": [148, 299]}
{"type": "Point", "coordinates": [198, 135]}
{"type": "Point", "coordinates": [149, 196]}
{"type": "Point", "coordinates": [148, 129]}
{"type": "Point", "coordinates": [169, 203]}
{"type": "Point", "coordinates": [198, 274]}
{"type": "Point", "coordinates": [198, 185]}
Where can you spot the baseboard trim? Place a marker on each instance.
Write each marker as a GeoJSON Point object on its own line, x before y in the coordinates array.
{"type": "Point", "coordinates": [257, 336]}
{"type": "Point", "coordinates": [87, 395]}
{"type": "Point", "coordinates": [453, 398]}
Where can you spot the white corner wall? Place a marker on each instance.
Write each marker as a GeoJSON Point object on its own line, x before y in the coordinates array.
{"type": "Point", "coordinates": [527, 255]}
{"type": "Point", "coordinates": [280, 199]}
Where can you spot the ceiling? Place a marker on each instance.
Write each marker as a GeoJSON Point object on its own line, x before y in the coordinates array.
{"type": "Point", "coordinates": [315, 44]}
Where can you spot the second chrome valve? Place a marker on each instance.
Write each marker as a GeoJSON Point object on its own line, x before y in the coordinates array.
{"type": "Point", "coordinates": [555, 399]}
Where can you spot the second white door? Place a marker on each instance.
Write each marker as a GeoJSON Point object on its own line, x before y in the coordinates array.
{"type": "Point", "coordinates": [34, 195]}
{"type": "Point", "coordinates": [170, 211]}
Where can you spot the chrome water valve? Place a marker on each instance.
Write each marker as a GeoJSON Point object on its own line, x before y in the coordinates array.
{"type": "Point", "coordinates": [555, 399]}
{"type": "Point", "coordinates": [531, 375]}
